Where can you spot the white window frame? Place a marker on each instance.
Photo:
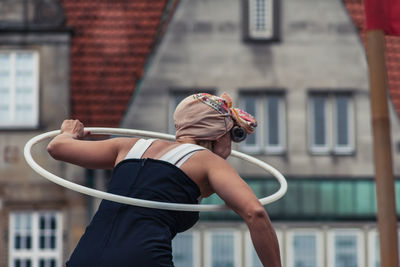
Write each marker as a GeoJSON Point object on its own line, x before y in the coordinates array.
{"type": "Point", "coordinates": [319, 244]}
{"type": "Point", "coordinates": [249, 248]}
{"type": "Point", "coordinates": [35, 122]}
{"type": "Point", "coordinates": [35, 253]}
{"type": "Point", "coordinates": [195, 247]}
{"type": "Point", "coordinates": [330, 126]}
{"type": "Point", "coordinates": [237, 245]}
{"type": "Point", "coordinates": [268, 32]}
{"type": "Point", "coordinates": [261, 133]}
{"type": "Point", "coordinates": [351, 232]}
{"type": "Point", "coordinates": [374, 254]}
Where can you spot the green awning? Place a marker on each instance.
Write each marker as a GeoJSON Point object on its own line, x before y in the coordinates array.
{"type": "Point", "coordinates": [317, 199]}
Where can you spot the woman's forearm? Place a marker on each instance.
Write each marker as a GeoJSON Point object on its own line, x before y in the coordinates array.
{"type": "Point", "coordinates": [264, 240]}
{"type": "Point", "coordinates": [58, 144]}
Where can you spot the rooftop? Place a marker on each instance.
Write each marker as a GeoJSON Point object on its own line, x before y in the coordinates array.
{"type": "Point", "coordinates": [111, 43]}
{"type": "Point", "coordinates": [356, 11]}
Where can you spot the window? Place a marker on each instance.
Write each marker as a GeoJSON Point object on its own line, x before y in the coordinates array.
{"type": "Point", "coordinates": [185, 247]}
{"type": "Point", "coordinates": [331, 119]}
{"type": "Point", "coordinates": [28, 14]}
{"type": "Point", "coordinates": [261, 19]}
{"type": "Point", "coordinates": [19, 89]}
{"type": "Point", "coordinates": [175, 98]}
{"type": "Point", "coordinates": [374, 257]}
{"type": "Point", "coordinates": [269, 110]}
{"type": "Point", "coordinates": [35, 239]}
{"type": "Point", "coordinates": [252, 259]}
{"type": "Point", "coordinates": [305, 248]}
{"type": "Point", "coordinates": [222, 248]}
{"type": "Point", "coordinates": [373, 249]}
{"type": "Point", "coordinates": [346, 248]}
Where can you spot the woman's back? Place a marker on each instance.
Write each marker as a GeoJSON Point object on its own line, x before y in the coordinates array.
{"type": "Point", "coordinates": [193, 166]}
{"type": "Point", "coordinates": [121, 233]}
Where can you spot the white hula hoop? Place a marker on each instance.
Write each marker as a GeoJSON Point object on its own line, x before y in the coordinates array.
{"type": "Point", "coordinates": [140, 202]}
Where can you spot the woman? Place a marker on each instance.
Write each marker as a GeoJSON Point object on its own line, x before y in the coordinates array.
{"type": "Point", "coordinates": [184, 171]}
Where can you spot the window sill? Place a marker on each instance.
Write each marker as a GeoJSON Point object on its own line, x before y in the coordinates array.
{"type": "Point", "coordinates": [333, 153]}
{"type": "Point", "coordinates": [263, 152]}
{"type": "Point", "coordinates": [20, 128]}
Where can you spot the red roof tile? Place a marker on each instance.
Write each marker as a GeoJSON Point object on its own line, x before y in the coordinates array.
{"type": "Point", "coordinates": [356, 11]}
{"type": "Point", "coordinates": [111, 42]}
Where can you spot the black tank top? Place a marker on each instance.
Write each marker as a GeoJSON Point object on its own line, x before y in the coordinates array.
{"type": "Point", "coordinates": [125, 235]}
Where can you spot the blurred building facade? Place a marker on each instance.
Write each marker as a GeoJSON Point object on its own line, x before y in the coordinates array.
{"type": "Point", "coordinates": [298, 65]}
{"type": "Point", "coordinates": [38, 219]}
{"type": "Point", "coordinates": [61, 59]}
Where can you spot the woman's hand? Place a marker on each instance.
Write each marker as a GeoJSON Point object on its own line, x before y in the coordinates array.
{"type": "Point", "coordinates": [73, 128]}
{"type": "Point", "coordinates": [103, 154]}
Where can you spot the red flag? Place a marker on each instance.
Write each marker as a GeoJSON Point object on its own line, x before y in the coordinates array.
{"type": "Point", "coordinates": [383, 15]}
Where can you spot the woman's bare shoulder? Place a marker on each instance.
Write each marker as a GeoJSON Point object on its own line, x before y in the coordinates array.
{"type": "Point", "coordinates": [209, 159]}
{"type": "Point", "coordinates": [123, 145]}
{"type": "Point", "coordinates": [125, 141]}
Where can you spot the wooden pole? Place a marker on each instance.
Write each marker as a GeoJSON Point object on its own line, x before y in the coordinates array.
{"type": "Point", "coordinates": [387, 218]}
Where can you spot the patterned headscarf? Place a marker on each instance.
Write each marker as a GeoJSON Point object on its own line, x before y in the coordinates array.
{"type": "Point", "coordinates": [194, 120]}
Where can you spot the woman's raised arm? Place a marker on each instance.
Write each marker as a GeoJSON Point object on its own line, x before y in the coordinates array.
{"type": "Point", "coordinates": [69, 147]}
{"type": "Point", "coordinates": [238, 195]}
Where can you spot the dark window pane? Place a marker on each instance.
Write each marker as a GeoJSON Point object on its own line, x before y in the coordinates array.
{"type": "Point", "coordinates": [53, 223]}
{"type": "Point", "coordinates": [364, 203]}
{"type": "Point", "coordinates": [271, 188]}
{"type": "Point", "coordinates": [251, 139]}
{"type": "Point", "coordinates": [28, 263]}
{"type": "Point", "coordinates": [52, 263]}
{"type": "Point", "coordinates": [42, 223]}
{"type": "Point", "coordinates": [250, 107]}
{"type": "Point", "coordinates": [41, 263]}
{"type": "Point", "coordinates": [310, 197]}
{"type": "Point", "coordinates": [17, 242]}
{"type": "Point", "coordinates": [397, 188]}
{"type": "Point", "coordinates": [292, 198]}
{"type": "Point", "coordinates": [42, 242]}
{"type": "Point", "coordinates": [319, 120]}
{"type": "Point", "coordinates": [345, 198]}
{"type": "Point", "coordinates": [17, 263]}
{"type": "Point", "coordinates": [327, 198]}
{"type": "Point", "coordinates": [53, 241]}
{"type": "Point", "coordinates": [28, 242]}
{"type": "Point", "coordinates": [342, 120]}
{"type": "Point", "coordinates": [273, 120]}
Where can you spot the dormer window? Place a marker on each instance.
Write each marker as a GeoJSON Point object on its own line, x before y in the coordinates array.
{"type": "Point", "coordinates": [261, 20]}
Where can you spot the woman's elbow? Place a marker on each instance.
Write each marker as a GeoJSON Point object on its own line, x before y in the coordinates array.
{"type": "Point", "coordinates": [255, 214]}
{"type": "Point", "coordinates": [53, 150]}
